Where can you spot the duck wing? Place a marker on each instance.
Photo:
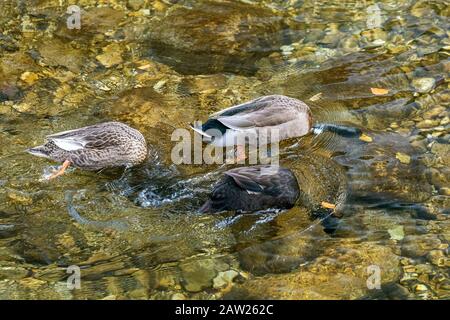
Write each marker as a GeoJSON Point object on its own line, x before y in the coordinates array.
{"type": "Point", "coordinates": [245, 107]}
{"type": "Point", "coordinates": [260, 179]}
{"type": "Point", "coordinates": [96, 136]}
{"type": "Point", "coordinates": [266, 111]}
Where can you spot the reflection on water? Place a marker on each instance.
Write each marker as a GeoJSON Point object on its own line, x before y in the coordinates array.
{"type": "Point", "coordinates": [159, 65]}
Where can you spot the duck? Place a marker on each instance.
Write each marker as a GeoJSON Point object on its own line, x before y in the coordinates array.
{"type": "Point", "coordinates": [259, 118]}
{"type": "Point", "coordinates": [255, 118]}
{"type": "Point", "coordinates": [253, 188]}
{"type": "Point", "coordinates": [94, 147]}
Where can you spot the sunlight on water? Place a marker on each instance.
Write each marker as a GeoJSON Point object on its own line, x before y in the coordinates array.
{"type": "Point", "coordinates": [380, 69]}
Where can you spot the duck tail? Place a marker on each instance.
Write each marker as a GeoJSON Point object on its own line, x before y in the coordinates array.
{"type": "Point", "coordinates": [40, 151]}
{"type": "Point", "coordinates": [198, 128]}
{"type": "Point", "coordinates": [342, 130]}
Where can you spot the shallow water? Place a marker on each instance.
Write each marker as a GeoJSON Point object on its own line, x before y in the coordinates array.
{"type": "Point", "coordinates": [159, 65]}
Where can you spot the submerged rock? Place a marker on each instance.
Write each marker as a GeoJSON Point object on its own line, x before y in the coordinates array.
{"type": "Point", "coordinates": [57, 53]}
{"type": "Point", "coordinates": [442, 151]}
{"type": "Point", "coordinates": [423, 85]}
{"type": "Point", "coordinates": [198, 275]}
{"type": "Point", "coordinates": [342, 273]}
{"type": "Point", "coordinates": [112, 55]}
{"type": "Point", "coordinates": [418, 246]}
{"type": "Point", "coordinates": [212, 37]}
{"type": "Point", "coordinates": [224, 278]}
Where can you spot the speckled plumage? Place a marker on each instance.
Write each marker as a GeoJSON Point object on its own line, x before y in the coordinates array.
{"type": "Point", "coordinates": [290, 117]}
{"type": "Point", "coordinates": [104, 145]}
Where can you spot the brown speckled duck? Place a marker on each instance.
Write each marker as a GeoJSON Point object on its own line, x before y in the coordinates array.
{"type": "Point", "coordinates": [254, 188]}
{"type": "Point", "coordinates": [104, 145]}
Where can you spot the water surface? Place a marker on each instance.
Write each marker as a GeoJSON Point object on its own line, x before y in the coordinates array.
{"type": "Point", "coordinates": [159, 65]}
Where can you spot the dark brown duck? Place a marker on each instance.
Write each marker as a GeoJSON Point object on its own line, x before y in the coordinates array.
{"type": "Point", "coordinates": [247, 189]}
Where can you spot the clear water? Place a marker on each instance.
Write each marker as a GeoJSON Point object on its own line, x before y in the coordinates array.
{"type": "Point", "coordinates": [159, 65]}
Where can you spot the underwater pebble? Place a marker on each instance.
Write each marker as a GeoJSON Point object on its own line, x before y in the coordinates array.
{"type": "Point", "coordinates": [66, 240]}
{"type": "Point", "coordinates": [178, 296]}
{"type": "Point", "coordinates": [423, 85]}
{"type": "Point", "coordinates": [32, 283]}
{"type": "Point", "coordinates": [433, 112]}
{"type": "Point", "coordinates": [424, 124]}
{"type": "Point", "coordinates": [224, 278]}
{"type": "Point", "coordinates": [420, 288]}
{"type": "Point", "coordinates": [397, 233]}
{"type": "Point", "coordinates": [13, 272]}
{"type": "Point", "coordinates": [159, 85]}
{"type": "Point", "coordinates": [135, 4]}
{"type": "Point", "coordinates": [20, 197]}
{"type": "Point", "coordinates": [420, 144]}
{"type": "Point", "coordinates": [437, 257]}
{"type": "Point", "coordinates": [165, 280]}
{"type": "Point", "coordinates": [198, 275]}
{"type": "Point", "coordinates": [112, 55]}
{"type": "Point", "coordinates": [159, 6]}
{"type": "Point", "coordinates": [29, 77]}
{"type": "Point", "coordinates": [403, 158]}
{"type": "Point", "coordinates": [442, 150]}
{"type": "Point", "coordinates": [418, 246]}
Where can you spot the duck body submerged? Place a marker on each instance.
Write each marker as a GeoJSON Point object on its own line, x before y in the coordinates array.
{"type": "Point", "coordinates": [104, 145]}
{"type": "Point", "coordinates": [247, 189]}
{"type": "Point", "coordinates": [262, 116]}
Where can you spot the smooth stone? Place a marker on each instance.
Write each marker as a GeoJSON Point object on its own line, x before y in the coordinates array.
{"type": "Point", "coordinates": [341, 273]}
{"type": "Point", "coordinates": [13, 272]}
{"type": "Point", "coordinates": [179, 39]}
{"type": "Point", "coordinates": [178, 296]}
{"type": "Point", "coordinates": [57, 53]}
{"type": "Point", "coordinates": [423, 85]}
{"type": "Point", "coordinates": [20, 197]}
{"type": "Point", "coordinates": [135, 4]}
{"type": "Point", "coordinates": [442, 150]}
{"type": "Point", "coordinates": [224, 278]}
{"type": "Point", "coordinates": [420, 288]}
{"type": "Point", "coordinates": [420, 144]}
{"type": "Point", "coordinates": [198, 275]}
{"type": "Point", "coordinates": [375, 34]}
{"type": "Point", "coordinates": [403, 158]}
{"type": "Point", "coordinates": [427, 123]}
{"type": "Point", "coordinates": [418, 246]}
{"type": "Point", "coordinates": [396, 291]}
{"type": "Point", "coordinates": [433, 112]}
{"type": "Point", "coordinates": [440, 178]}
{"type": "Point", "coordinates": [437, 257]}
{"type": "Point", "coordinates": [397, 233]}
{"type": "Point", "coordinates": [112, 55]}
{"type": "Point", "coordinates": [29, 77]}
{"type": "Point", "coordinates": [444, 191]}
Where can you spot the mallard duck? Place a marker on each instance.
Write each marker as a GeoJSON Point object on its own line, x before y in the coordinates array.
{"type": "Point", "coordinates": [253, 188]}
{"type": "Point", "coordinates": [261, 117]}
{"type": "Point", "coordinates": [104, 145]}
